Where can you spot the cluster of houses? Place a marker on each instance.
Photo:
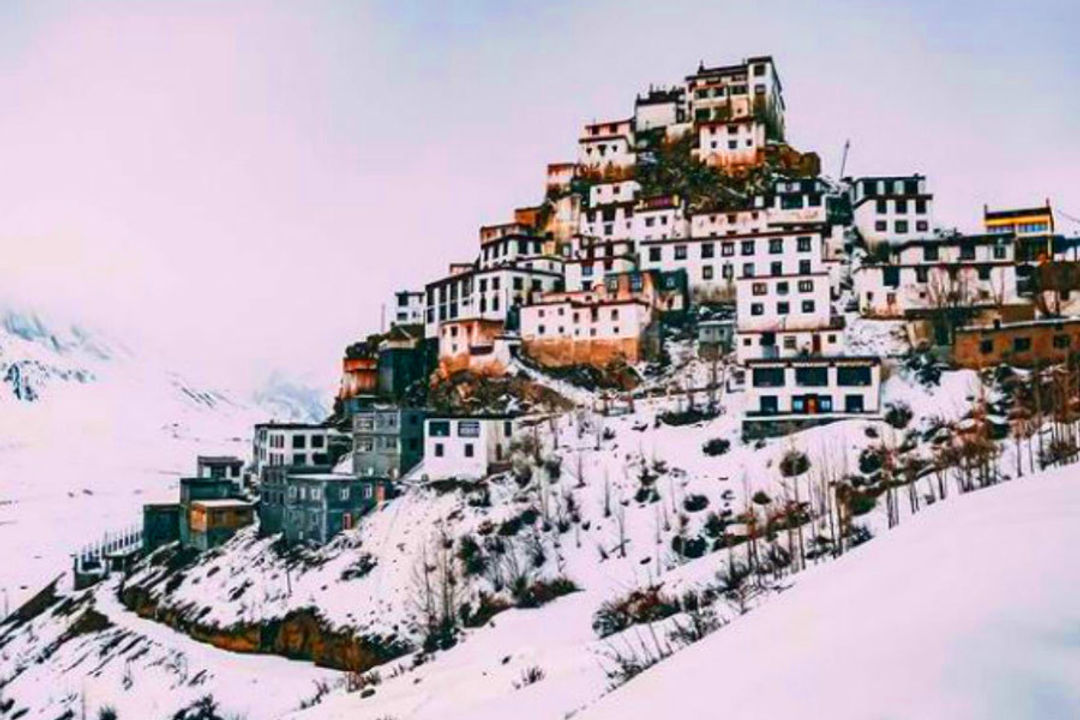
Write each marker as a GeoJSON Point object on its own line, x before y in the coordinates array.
{"type": "Point", "coordinates": [600, 270]}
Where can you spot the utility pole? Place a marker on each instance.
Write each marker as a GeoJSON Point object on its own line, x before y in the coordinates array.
{"type": "Point", "coordinates": [843, 159]}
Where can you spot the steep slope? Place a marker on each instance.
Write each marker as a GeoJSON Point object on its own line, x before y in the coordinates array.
{"type": "Point", "coordinates": [968, 611]}
{"type": "Point", "coordinates": [89, 430]}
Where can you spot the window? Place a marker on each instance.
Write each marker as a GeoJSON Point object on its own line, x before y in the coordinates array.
{"type": "Point", "coordinates": [804, 267]}
{"type": "Point", "coordinates": [901, 206]}
{"type": "Point", "coordinates": [922, 274]}
{"type": "Point", "coordinates": [806, 286]}
{"type": "Point", "coordinates": [768, 377]}
{"type": "Point", "coordinates": [654, 254]}
{"type": "Point", "coordinates": [803, 244]}
{"type": "Point", "coordinates": [851, 376]}
{"type": "Point", "coordinates": [901, 227]}
{"type": "Point", "coordinates": [984, 273]}
{"type": "Point", "coordinates": [776, 246]}
{"type": "Point", "coordinates": [748, 270]}
{"type": "Point", "coordinates": [439, 450]}
{"type": "Point", "coordinates": [782, 308]}
{"type": "Point", "coordinates": [769, 404]}
{"type": "Point", "coordinates": [707, 272]}
{"type": "Point", "coordinates": [299, 459]}
{"type": "Point", "coordinates": [747, 247]}
{"type": "Point", "coordinates": [881, 226]}
{"type": "Point", "coordinates": [707, 250]}
{"type": "Point", "coordinates": [782, 288]}
{"type": "Point", "coordinates": [986, 347]}
{"type": "Point", "coordinates": [727, 249]}
{"type": "Point", "coordinates": [468, 450]}
{"type": "Point", "coordinates": [853, 403]}
{"type": "Point", "coordinates": [789, 342]}
{"type": "Point", "coordinates": [1061, 342]}
{"type": "Point", "coordinates": [680, 252]}
{"type": "Point", "coordinates": [808, 306]}
{"type": "Point", "coordinates": [881, 206]}
{"type": "Point", "coordinates": [757, 309]}
{"type": "Point", "coordinates": [922, 226]}
{"type": "Point", "coordinates": [439, 428]}
{"type": "Point", "coordinates": [299, 442]}
{"type": "Point", "coordinates": [967, 252]}
{"type": "Point", "coordinates": [1021, 344]}
{"type": "Point", "coordinates": [999, 252]}
{"type": "Point", "coordinates": [468, 428]}
{"type": "Point", "coordinates": [920, 207]}
{"type": "Point", "coordinates": [759, 288]}
{"type": "Point", "coordinates": [812, 376]}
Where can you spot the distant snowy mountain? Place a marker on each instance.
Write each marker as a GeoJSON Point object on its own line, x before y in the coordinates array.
{"type": "Point", "coordinates": [91, 428]}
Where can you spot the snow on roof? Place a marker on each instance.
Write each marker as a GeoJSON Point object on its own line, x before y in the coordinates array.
{"type": "Point", "coordinates": [224, 503]}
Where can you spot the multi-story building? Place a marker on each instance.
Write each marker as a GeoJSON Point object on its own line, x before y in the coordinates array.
{"type": "Point", "coordinates": [1031, 228]}
{"type": "Point", "coordinates": [661, 217]}
{"type": "Point", "coordinates": [809, 390]}
{"type": "Point", "coordinates": [388, 441]}
{"type": "Point", "coordinates": [660, 108]}
{"type": "Point", "coordinates": [892, 209]}
{"type": "Point", "coordinates": [607, 148]}
{"type": "Point", "coordinates": [467, 447]}
{"type": "Point", "coordinates": [292, 444]}
{"type": "Point", "coordinates": [219, 466]}
{"type": "Point", "coordinates": [213, 522]}
{"type": "Point", "coordinates": [749, 89]}
{"type": "Point", "coordinates": [961, 271]}
{"type": "Point", "coordinates": [485, 294]}
{"type": "Point", "coordinates": [609, 221]}
{"type": "Point", "coordinates": [713, 265]}
{"type": "Point", "coordinates": [483, 347]}
{"type": "Point", "coordinates": [406, 308]}
{"type": "Point", "coordinates": [586, 328]}
{"type": "Point", "coordinates": [318, 506]}
{"type": "Point", "coordinates": [1046, 341]}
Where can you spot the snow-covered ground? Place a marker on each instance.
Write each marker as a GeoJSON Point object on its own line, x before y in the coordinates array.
{"type": "Point", "coordinates": [967, 611]}
{"type": "Point", "coordinates": [89, 431]}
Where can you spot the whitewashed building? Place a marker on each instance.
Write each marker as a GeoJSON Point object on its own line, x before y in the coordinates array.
{"type": "Point", "coordinates": [466, 447]}
{"type": "Point", "coordinates": [892, 209]}
{"type": "Point", "coordinates": [607, 146]}
{"type": "Point", "coordinates": [809, 390]}
{"type": "Point", "coordinates": [661, 217]}
{"type": "Point", "coordinates": [291, 444]}
{"type": "Point", "coordinates": [406, 308]}
{"type": "Point", "coordinates": [660, 108]}
{"type": "Point", "coordinates": [949, 272]}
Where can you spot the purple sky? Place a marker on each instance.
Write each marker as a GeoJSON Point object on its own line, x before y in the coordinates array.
{"type": "Point", "coordinates": [244, 183]}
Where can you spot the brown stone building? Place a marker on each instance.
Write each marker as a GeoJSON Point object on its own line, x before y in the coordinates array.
{"type": "Point", "coordinates": [1024, 344]}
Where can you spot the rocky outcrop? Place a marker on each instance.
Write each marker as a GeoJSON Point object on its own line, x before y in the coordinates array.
{"type": "Point", "coordinates": [300, 635]}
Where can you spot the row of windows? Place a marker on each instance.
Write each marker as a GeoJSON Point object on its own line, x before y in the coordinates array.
{"type": "Point", "coordinates": [782, 287]}
{"type": "Point", "coordinates": [846, 376]}
{"type": "Point", "coordinates": [909, 186]}
{"type": "Point", "coordinates": [776, 246]}
{"type": "Point", "coordinates": [901, 227]}
{"type": "Point", "coordinates": [812, 404]}
{"type": "Point", "coordinates": [499, 249]}
{"type": "Point", "coordinates": [1021, 344]}
{"type": "Point", "coordinates": [901, 206]}
{"type": "Point", "coordinates": [733, 144]}
{"type": "Point", "coordinates": [783, 307]}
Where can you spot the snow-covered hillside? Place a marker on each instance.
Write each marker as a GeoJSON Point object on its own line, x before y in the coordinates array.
{"type": "Point", "coordinates": [968, 611]}
{"type": "Point", "coordinates": [90, 429]}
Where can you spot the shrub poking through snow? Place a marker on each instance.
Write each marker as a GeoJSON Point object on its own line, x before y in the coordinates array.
{"type": "Point", "coordinates": [695, 503]}
{"type": "Point", "coordinates": [692, 547]}
{"type": "Point", "coordinates": [530, 676]}
{"type": "Point", "coordinates": [640, 606]}
{"type": "Point", "coordinates": [541, 592]}
{"type": "Point", "coordinates": [716, 446]}
{"type": "Point", "coordinates": [898, 415]}
{"type": "Point", "coordinates": [794, 463]}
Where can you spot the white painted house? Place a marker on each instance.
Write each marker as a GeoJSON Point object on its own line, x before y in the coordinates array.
{"type": "Point", "coordinates": [660, 218]}
{"type": "Point", "coordinates": [811, 390]}
{"type": "Point", "coordinates": [892, 209]}
{"type": "Point", "coordinates": [466, 447]}
{"type": "Point", "coordinates": [660, 108]}
{"type": "Point", "coordinates": [920, 275]}
{"type": "Point", "coordinates": [406, 308]}
{"type": "Point", "coordinates": [290, 444]}
{"type": "Point", "coordinates": [607, 146]}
